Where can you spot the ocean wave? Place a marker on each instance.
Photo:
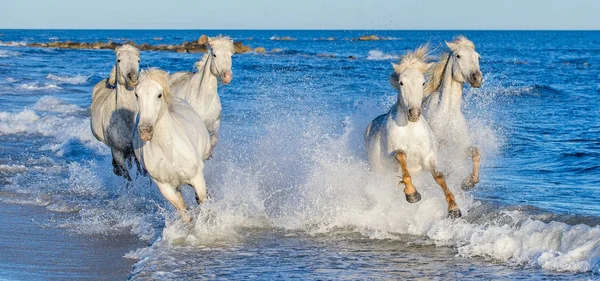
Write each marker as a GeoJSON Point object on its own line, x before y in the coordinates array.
{"type": "Point", "coordinates": [63, 128]}
{"type": "Point", "coordinates": [529, 90]}
{"type": "Point", "coordinates": [77, 79]}
{"type": "Point", "coordinates": [13, 43]}
{"type": "Point", "coordinates": [54, 104]}
{"type": "Point", "coordinates": [38, 86]}
{"type": "Point", "coordinates": [379, 55]}
{"type": "Point", "coordinates": [8, 54]}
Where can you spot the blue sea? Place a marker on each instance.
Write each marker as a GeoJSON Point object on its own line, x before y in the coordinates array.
{"type": "Point", "coordinates": [292, 193]}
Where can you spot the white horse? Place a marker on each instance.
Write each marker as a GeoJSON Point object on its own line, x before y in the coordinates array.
{"type": "Point", "coordinates": [171, 140]}
{"type": "Point", "coordinates": [200, 89]}
{"type": "Point", "coordinates": [401, 139]}
{"type": "Point", "coordinates": [113, 108]}
{"type": "Point", "coordinates": [443, 106]}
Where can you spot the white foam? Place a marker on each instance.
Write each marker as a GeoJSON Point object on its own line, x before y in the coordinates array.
{"type": "Point", "coordinates": [38, 86]}
{"type": "Point", "coordinates": [63, 128]}
{"type": "Point", "coordinates": [8, 54]}
{"type": "Point", "coordinates": [54, 104]}
{"type": "Point", "coordinates": [77, 79]}
{"type": "Point", "coordinates": [379, 55]}
{"type": "Point", "coordinates": [12, 169]}
{"type": "Point", "coordinates": [13, 43]}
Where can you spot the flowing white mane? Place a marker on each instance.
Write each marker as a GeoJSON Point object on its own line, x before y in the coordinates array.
{"type": "Point", "coordinates": [127, 48]}
{"type": "Point", "coordinates": [436, 71]}
{"type": "Point", "coordinates": [418, 59]}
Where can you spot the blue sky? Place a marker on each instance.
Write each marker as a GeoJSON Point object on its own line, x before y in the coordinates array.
{"type": "Point", "coordinates": [301, 14]}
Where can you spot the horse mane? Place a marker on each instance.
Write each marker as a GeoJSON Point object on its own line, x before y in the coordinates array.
{"type": "Point", "coordinates": [460, 41]}
{"type": "Point", "coordinates": [112, 78]}
{"type": "Point", "coordinates": [162, 78]}
{"type": "Point", "coordinates": [127, 48]}
{"type": "Point", "coordinates": [436, 71]}
{"type": "Point", "coordinates": [200, 64]}
{"type": "Point", "coordinates": [418, 58]}
{"type": "Point", "coordinates": [221, 42]}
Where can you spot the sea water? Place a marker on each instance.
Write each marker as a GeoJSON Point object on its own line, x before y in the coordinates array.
{"type": "Point", "coordinates": [292, 195]}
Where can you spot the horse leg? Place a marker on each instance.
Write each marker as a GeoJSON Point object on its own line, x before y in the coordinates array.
{"type": "Point", "coordinates": [412, 195]}
{"type": "Point", "coordinates": [119, 165]}
{"type": "Point", "coordinates": [175, 198]}
{"type": "Point", "coordinates": [472, 179]}
{"type": "Point", "coordinates": [453, 210]}
{"type": "Point", "coordinates": [199, 185]}
{"type": "Point", "coordinates": [214, 136]}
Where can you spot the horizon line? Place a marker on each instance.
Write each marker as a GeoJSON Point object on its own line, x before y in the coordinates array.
{"type": "Point", "coordinates": [294, 29]}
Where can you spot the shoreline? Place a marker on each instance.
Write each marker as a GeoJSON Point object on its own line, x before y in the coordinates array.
{"type": "Point", "coordinates": [30, 250]}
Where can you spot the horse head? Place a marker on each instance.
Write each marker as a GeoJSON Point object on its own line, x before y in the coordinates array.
{"type": "Point", "coordinates": [409, 79]}
{"type": "Point", "coordinates": [153, 99]}
{"type": "Point", "coordinates": [465, 62]}
{"type": "Point", "coordinates": [126, 66]}
{"type": "Point", "coordinates": [221, 49]}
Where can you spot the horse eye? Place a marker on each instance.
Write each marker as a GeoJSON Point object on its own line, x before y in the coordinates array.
{"type": "Point", "coordinates": [423, 83]}
{"type": "Point", "coordinates": [136, 96]}
{"type": "Point", "coordinates": [479, 58]}
{"type": "Point", "coordinates": [160, 96]}
{"type": "Point", "coordinates": [139, 61]}
{"type": "Point", "coordinates": [458, 56]}
{"type": "Point", "coordinates": [401, 84]}
{"type": "Point", "coordinates": [118, 60]}
{"type": "Point", "coordinates": [214, 55]}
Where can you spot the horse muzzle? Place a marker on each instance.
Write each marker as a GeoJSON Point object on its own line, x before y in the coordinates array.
{"type": "Point", "coordinates": [132, 80]}
{"type": "Point", "coordinates": [145, 133]}
{"type": "Point", "coordinates": [226, 77]}
{"type": "Point", "coordinates": [476, 79]}
{"type": "Point", "coordinates": [414, 114]}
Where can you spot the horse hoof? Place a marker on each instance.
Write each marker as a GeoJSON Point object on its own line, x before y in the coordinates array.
{"type": "Point", "coordinates": [467, 184]}
{"type": "Point", "coordinates": [454, 214]}
{"type": "Point", "coordinates": [413, 198]}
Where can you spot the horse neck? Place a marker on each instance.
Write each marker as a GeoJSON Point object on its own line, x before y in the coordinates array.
{"type": "Point", "coordinates": [206, 82]}
{"type": "Point", "coordinates": [124, 99]}
{"type": "Point", "coordinates": [162, 136]}
{"type": "Point", "coordinates": [451, 90]}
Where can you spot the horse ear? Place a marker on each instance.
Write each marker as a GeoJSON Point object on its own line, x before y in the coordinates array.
{"type": "Point", "coordinates": [450, 45]}
{"type": "Point", "coordinates": [112, 79]}
{"type": "Point", "coordinates": [395, 66]}
{"type": "Point", "coordinates": [144, 71]}
{"type": "Point", "coordinates": [394, 81]}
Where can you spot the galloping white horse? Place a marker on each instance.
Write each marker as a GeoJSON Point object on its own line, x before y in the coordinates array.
{"type": "Point", "coordinates": [401, 139]}
{"type": "Point", "coordinates": [113, 108]}
{"type": "Point", "coordinates": [171, 140]}
{"type": "Point", "coordinates": [442, 107]}
{"type": "Point", "coordinates": [200, 89]}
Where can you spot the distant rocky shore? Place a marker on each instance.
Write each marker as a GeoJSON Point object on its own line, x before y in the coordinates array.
{"type": "Point", "coordinates": [198, 46]}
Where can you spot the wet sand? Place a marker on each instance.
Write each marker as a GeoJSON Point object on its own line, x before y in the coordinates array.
{"type": "Point", "coordinates": [32, 251]}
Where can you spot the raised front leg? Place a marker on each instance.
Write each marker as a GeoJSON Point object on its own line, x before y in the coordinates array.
{"type": "Point", "coordinates": [453, 210]}
{"type": "Point", "coordinates": [412, 195]}
{"type": "Point", "coordinates": [473, 179]}
{"type": "Point", "coordinates": [173, 195]}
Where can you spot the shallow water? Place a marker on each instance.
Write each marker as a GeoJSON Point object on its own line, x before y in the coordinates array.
{"type": "Point", "coordinates": [292, 193]}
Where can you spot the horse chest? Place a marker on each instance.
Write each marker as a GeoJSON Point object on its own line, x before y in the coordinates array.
{"type": "Point", "coordinates": [170, 165]}
{"type": "Point", "coordinates": [412, 139]}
